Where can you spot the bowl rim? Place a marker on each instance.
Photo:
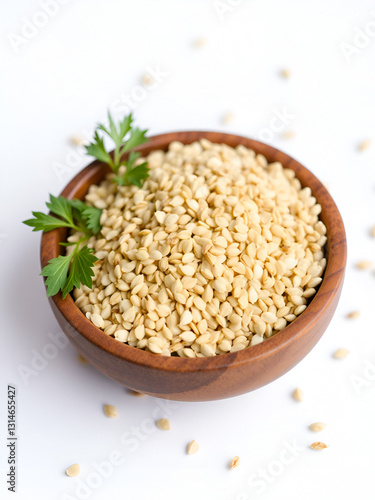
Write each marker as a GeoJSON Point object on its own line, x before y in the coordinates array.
{"type": "Point", "coordinates": [330, 285]}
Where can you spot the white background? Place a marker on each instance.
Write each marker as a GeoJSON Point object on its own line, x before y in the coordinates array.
{"type": "Point", "coordinates": [60, 81]}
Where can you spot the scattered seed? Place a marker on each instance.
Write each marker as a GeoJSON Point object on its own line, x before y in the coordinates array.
{"type": "Point", "coordinates": [341, 353]}
{"type": "Point", "coordinates": [285, 73]}
{"type": "Point", "coordinates": [192, 447]}
{"type": "Point", "coordinates": [110, 411]}
{"type": "Point", "coordinates": [228, 118]}
{"type": "Point", "coordinates": [318, 446]}
{"type": "Point", "coordinates": [200, 42]}
{"type": "Point", "coordinates": [163, 424]}
{"type": "Point", "coordinates": [235, 462]}
{"type": "Point", "coordinates": [317, 426]}
{"type": "Point", "coordinates": [147, 79]}
{"type": "Point", "coordinates": [73, 470]}
{"type": "Point", "coordinates": [78, 140]}
{"type": "Point", "coordinates": [353, 315]}
{"type": "Point", "coordinates": [81, 359]}
{"type": "Point", "coordinates": [298, 394]}
{"type": "Point", "coordinates": [288, 134]}
{"type": "Point", "coordinates": [362, 146]}
{"type": "Point", "coordinates": [136, 394]}
{"type": "Point", "coordinates": [364, 264]}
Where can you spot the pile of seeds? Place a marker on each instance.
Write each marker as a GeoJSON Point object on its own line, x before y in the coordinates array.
{"type": "Point", "coordinates": [217, 251]}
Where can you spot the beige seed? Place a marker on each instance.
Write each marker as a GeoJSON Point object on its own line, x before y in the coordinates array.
{"type": "Point", "coordinates": [288, 134]}
{"type": "Point", "coordinates": [298, 394]}
{"type": "Point", "coordinates": [192, 447]}
{"type": "Point", "coordinates": [187, 270]}
{"type": "Point", "coordinates": [78, 140]}
{"type": "Point", "coordinates": [373, 231]}
{"type": "Point", "coordinates": [186, 318]}
{"type": "Point", "coordinates": [82, 360]}
{"type": "Point", "coordinates": [110, 411]}
{"type": "Point", "coordinates": [97, 320]}
{"type": "Point", "coordinates": [364, 264]}
{"type": "Point", "coordinates": [341, 353]}
{"type": "Point", "coordinates": [317, 426]}
{"type": "Point", "coordinates": [163, 424]}
{"type": "Point", "coordinates": [200, 42]}
{"type": "Point", "coordinates": [136, 394]}
{"type": "Point", "coordinates": [73, 470]}
{"type": "Point", "coordinates": [155, 255]}
{"type": "Point", "coordinates": [234, 463]}
{"type": "Point", "coordinates": [353, 315]}
{"type": "Point", "coordinates": [362, 146]}
{"type": "Point", "coordinates": [285, 73]}
{"type": "Point", "coordinates": [147, 79]}
{"type": "Point", "coordinates": [318, 445]}
{"type": "Point", "coordinates": [228, 118]}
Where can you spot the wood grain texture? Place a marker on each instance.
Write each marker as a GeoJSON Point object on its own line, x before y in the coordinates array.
{"type": "Point", "coordinates": [226, 375]}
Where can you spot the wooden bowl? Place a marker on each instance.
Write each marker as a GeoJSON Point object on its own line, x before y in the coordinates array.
{"type": "Point", "coordinates": [225, 375]}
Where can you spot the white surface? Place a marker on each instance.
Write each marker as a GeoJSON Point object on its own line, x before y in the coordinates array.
{"type": "Point", "coordinates": [87, 58]}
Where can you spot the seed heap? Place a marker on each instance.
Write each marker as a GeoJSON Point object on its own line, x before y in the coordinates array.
{"type": "Point", "coordinates": [217, 251]}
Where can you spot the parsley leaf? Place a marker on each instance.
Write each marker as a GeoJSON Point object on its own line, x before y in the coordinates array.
{"type": "Point", "coordinates": [133, 175]}
{"type": "Point", "coordinates": [118, 133]}
{"type": "Point", "coordinates": [68, 271]}
{"type": "Point", "coordinates": [80, 270]}
{"type": "Point", "coordinates": [90, 216]}
{"type": "Point", "coordinates": [57, 273]}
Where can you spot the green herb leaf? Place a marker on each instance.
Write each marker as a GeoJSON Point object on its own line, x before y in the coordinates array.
{"type": "Point", "coordinates": [57, 273]}
{"type": "Point", "coordinates": [80, 217]}
{"type": "Point", "coordinates": [133, 175]}
{"type": "Point", "coordinates": [89, 215]}
{"type": "Point", "coordinates": [97, 149]}
{"type": "Point", "coordinates": [61, 206]}
{"type": "Point", "coordinates": [80, 270]}
{"type": "Point", "coordinates": [44, 222]}
{"type": "Point", "coordinates": [118, 134]}
{"type": "Point", "coordinates": [136, 138]}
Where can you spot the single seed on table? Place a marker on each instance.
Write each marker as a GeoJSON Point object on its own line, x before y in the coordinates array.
{"type": "Point", "coordinates": [192, 447]}
{"type": "Point", "coordinates": [163, 424]}
{"type": "Point", "coordinates": [341, 353]}
{"type": "Point", "coordinates": [234, 463]}
{"type": "Point", "coordinates": [147, 79]}
{"type": "Point", "coordinates": [318, 445]}
{"type": "Point", "coordinates": [285, 73]}
{"type": "Point", "coordinates": [228, 118]}
{"type": "Point", "coordinates": [110, 411]}
{"type": "Point", "coordinates": [373, 231]}
{"type": "Point", "coordinates": [317, 426]}
{"type": "Point", "coordinates": [288, 134]}
{"type": "Point", "coordinates": [81, 359]}
{"type": "Point", "coordinates": [78, 140]}
{"type": "Point", "coordinates": [136, 394]}
{"type": "Point", "coordinates": [73, 470]}
{"type": "Point", "coordinates": [200, 42]}
{"type": "Point", "coordinates": [364, 264]}
{"type": "Point", "coordinates": [353, 315]}
{"type": "Point", "coordinates": [298, 394]}
{"type": "Point", "coordinates": [362, 146]}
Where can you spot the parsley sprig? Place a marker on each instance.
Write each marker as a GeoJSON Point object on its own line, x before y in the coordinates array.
{"type": "Point", "coordinates": [125, 137]}
{"type": "Point", "coordinates": [68, 271]}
